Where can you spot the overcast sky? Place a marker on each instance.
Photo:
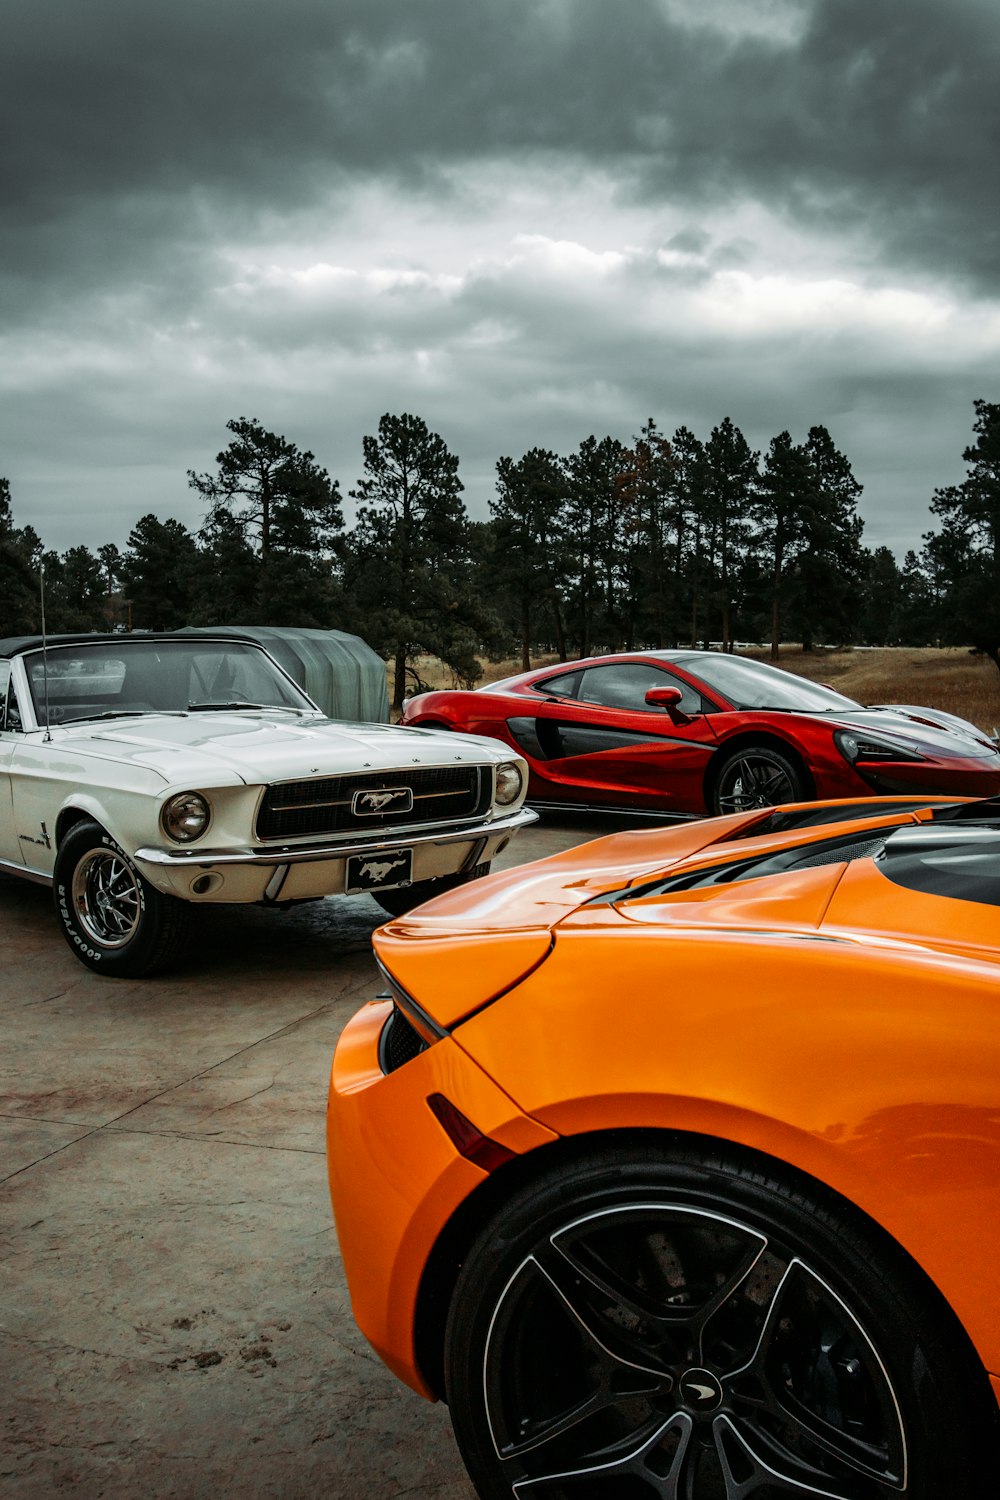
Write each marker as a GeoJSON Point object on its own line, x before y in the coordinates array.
{"type": "Point", "coordinates": [525, 221]}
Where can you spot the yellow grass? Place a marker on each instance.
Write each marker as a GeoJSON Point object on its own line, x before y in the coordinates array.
{"type": "Point", "coordinates": [952, 680]}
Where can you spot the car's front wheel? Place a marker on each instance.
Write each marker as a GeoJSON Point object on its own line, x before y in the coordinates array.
{"type": "Point", "coordinates": [756, 776]}
{"type": "Point", "coordinates": [113, 919]}
{"type": "Point", "coordinates": [676, 1324]}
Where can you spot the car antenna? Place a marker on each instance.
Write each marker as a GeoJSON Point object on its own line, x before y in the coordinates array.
{"type": "Point", "coordinates": [45, 649]}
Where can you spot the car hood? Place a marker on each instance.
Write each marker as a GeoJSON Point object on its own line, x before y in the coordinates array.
{"type": "Point", "coordinates": [265, 747]}
{"type": "Point", "coordinates": [461, 950]}
{"type": "Point", "coordinates": [928, 730]}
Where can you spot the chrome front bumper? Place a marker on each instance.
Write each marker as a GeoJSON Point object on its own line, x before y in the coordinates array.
{"type": "Point", "coordinates": [292, 854]}
{"type": "Point", "coordinates": [268, 874]}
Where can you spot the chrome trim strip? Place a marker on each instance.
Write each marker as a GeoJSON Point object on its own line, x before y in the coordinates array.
{"type": "Point", "coordinates": [207, 858]}
{"type": "Point", "coordinates": [9, 867]}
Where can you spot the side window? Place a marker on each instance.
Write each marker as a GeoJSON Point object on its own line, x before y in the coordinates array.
{"type": "Point", "coordinates": [625, 685]}
{"type": "Point", "coordinates": [565, 686]}
{"type": "Point", "coordinates": [10, 712]}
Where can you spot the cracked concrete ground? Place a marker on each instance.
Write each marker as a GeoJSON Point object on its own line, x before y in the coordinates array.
{"type": "Point", "coordinates": [173, 1315]}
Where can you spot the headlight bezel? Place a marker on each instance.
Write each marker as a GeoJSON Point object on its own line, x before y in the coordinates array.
{"type": "Point", "coordinates": [171, 813]}
{"type": "Point", "coordinates": [859, 748]}
{"type": "Point", "coordinates": [508, 773]}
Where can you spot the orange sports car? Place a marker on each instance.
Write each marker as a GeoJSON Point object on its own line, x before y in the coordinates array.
{"type": "Point", "coordinates": [671, 1162]}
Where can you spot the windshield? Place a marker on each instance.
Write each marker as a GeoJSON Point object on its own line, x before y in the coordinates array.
{"type": "Point", "coordinates": [753, 684]}
{"type": "Point", "coordinates": [107, 679]}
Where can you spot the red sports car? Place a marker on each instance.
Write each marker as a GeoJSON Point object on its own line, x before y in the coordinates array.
{"type": "Point", "coordinates": [693, 732]}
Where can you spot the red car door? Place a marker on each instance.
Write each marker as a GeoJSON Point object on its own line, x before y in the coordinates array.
{"type": "Point", "coordinates": [592, 738]}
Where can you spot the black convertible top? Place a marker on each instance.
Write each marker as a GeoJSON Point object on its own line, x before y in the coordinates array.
{"type": "Point", "coordinates": [16, 645]}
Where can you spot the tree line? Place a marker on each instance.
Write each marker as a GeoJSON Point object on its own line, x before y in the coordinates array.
{"type": "Point", "coordinates": [663, 541]}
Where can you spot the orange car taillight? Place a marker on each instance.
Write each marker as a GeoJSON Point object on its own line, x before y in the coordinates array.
{"type": "Point", "coordinates": [470, 1142]}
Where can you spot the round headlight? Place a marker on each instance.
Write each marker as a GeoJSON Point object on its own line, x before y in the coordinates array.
{"type": "Point", "coordinates": [509, 783]}
{"type": "Point", "coordinates": [185, 817]}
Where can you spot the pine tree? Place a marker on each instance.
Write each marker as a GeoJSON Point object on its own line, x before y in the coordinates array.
{"type": "Point", "coordinates": [158, 571]}
{"type": "Point", "coordinates": [525, 551]}
{"type": "Point", "coordinates": [281, 498]}
{"type": "Point", "coordinates": [407, 562]}
{"type": "Point", "coordinates": [594, 542]}
{"type": "Point", "coordinates": [731, 488]}
{"type": "Point", "coordinates": [19, 605]}
{"type": "Point", "coordinates": [782, 496]}
{"type": "Point", "coordinates": [649, 508]}
{"type": "Point", "coordinates": [968, 547]}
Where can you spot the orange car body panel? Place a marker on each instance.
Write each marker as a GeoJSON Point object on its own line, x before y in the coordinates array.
{"type": "Point", "coordinates": [830, 1019]}
{"type": "Point", "coordinates": [403, 1184]}
{"type": "Point", "coordinates": [910, 1132]}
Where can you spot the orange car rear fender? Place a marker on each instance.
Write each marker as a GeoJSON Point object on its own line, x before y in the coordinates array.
{"type": "Point", "coordinates": [396, 1177]}
{"type": "Point", "coordinates": [876, 1071]}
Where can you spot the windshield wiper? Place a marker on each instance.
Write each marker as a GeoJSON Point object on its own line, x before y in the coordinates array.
{"type": "Point", "coordinates": [777, 708]}
{"type": "Point", "coordinates": [111, 713]}
{"type": "Point", "coordinates": [281, 708]}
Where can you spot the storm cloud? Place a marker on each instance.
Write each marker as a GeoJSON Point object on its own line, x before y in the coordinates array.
{"type": "Point", "coordinates": [526, 221]}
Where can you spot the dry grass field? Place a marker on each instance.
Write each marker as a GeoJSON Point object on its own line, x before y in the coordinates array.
{"type": "Point", "coordinates": [952, 680]}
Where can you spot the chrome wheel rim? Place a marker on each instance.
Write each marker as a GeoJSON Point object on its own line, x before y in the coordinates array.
{"type": "Point", "coordinates": [754, 780]}
{"type": "Point", "coordinates": [106, 898]}
{"type": "Point", "coordinates": [656, 1350]}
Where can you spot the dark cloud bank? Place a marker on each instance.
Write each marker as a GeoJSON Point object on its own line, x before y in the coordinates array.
{"type": "Point", "coordinates": [781, 211]}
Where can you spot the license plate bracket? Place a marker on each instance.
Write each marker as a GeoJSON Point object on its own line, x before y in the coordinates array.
{"type": "Point", "coordinates": [378, 872]}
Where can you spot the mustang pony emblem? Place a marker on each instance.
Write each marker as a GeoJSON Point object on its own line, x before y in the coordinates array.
{"type": "Point", "coordinates": [377, 870]}
{"type": "Point", "coordinates": [398, 798]}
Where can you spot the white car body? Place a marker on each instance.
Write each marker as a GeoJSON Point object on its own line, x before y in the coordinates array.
{"type": "Point", "coordinates": [358, 787]}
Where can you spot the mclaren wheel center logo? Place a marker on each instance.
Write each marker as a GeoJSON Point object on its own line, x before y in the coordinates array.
{"type": "Point", "coordinates": [701, 1391]}
{"type": "Point", "coordinates": [396, 799]}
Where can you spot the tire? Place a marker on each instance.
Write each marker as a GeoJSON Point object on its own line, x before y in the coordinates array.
{"type": "Point", "coordinates": [756, 776]}
{"type": "Point", "coordinates": [113, 919]}
{"type": "Point", "coordinates": [403, 898]}
{"type": "Point", "coordinates": [651, 1323]}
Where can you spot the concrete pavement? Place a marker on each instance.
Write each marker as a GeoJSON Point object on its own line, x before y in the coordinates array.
{"type": "Point", "coordinates": [173, 1315]}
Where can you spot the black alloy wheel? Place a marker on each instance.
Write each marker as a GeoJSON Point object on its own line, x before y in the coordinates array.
{"type": "Point", "coordinates": [756, 776]}
{"type": "Point", "coordinates": [113, 919]}
{"type": "Point", "coordinates": [650, 1326]}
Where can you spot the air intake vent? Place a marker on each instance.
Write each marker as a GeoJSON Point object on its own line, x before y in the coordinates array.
{"type": "Point", "coordinates": [837, 856]}
{"type": "Point", "coordinates": [399, 1043]}
{"type": "Point", "coordinates": [803, 857]}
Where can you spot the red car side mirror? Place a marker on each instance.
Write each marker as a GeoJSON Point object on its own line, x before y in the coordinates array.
{"type": "Point", "coordinates": [668, 698]}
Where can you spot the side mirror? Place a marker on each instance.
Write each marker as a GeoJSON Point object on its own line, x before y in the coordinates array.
{"type": "Point", "coordinates": [668, 698]}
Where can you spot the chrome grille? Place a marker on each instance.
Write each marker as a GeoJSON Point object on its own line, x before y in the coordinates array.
{"type": "Point", "coordinates": [331, 804]}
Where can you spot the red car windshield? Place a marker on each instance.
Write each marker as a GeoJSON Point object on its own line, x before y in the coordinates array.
{"type": "Point", "coordinates": [753, 684]}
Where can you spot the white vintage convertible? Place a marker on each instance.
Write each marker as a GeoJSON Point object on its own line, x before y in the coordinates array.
{"type": "Point", "coordinates": [142, 774]}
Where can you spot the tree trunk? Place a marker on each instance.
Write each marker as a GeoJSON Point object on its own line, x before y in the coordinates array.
{"type": "Point", "coordinates": [265, 516]}
{"type": "Point", "coordinates": [399, 678]}
{"type": "Point", "coordinates": [560, 632]}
